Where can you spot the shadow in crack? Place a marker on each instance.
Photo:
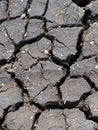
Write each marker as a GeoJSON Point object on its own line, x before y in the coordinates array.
{"type": "Point", "coordinates": [82, 3]}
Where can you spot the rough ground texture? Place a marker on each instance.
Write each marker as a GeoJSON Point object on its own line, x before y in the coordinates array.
{"type": "Point", "coordinates": [48, 64]}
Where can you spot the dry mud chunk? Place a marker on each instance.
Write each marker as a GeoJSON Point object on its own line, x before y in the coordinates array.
{"type": "Point", "coordinates": [93, 6]}
{"type": "Point", "coordinates": [44, 46]}
{"type": "Point", "coordinates": [73, 89]}
{"type": "Point", "coordinates": [6, 47]}
{"type": "Point", "coordinates": [76, 120]}
{"type": "Point", "coordinates": [50, 94]}
{"type": "Point", "coordinates": [15, 29]}
{"type": "Point", "coordinates": [21, 119]}
{"type": "Point", "coordinates": [37, 79]}
{"type": "Point", "coordinates": [1, 52]}
{"type": "Point", "coordinates": [16, 7]}
{"type": "Point", "coordinates": [92, 102]}
{"type": "Point", "coordinates": [37, 49]}
{"type": "Point", "coordinates": [90, 45]}
{"type": "Point", "coordinates": [30, 54]}
{"type": "Point", "coordinates": [84, 67]}
{"type": "Point", "coordinates": [67, 36]}
{"type": "Point", "coordinates": [64, 12]}
{"type": "Point", "coordinates": [2, 10]}
{"type": "Point", "coordinates": [37, 7]}
{"type": "Point", "coordinates": [51, 120]}
{"type": "Point", "coordinates": [25, 60]}
{"type": "Point", "coordinates": [94, 79]}
{"type": "Point", "coordinates": [8, 91]}
{"type": "Point", "coordinates": [34, 28]}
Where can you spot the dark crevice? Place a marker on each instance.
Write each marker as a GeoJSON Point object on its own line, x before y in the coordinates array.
{"type": "Point", "coordinates": [1, 44]}
{"type": "Point", "coordinates": [7, 9]}
{"type": "Point", "coordinates": [61, 105]}
{"type": "Point", "coordinates": [82, 3]}
{"type": "Point", "coordinates": [10, 18]}
{"type": "Point", "coordinates": [20, 84]}
{"type": "Point", "coordinates": [65, 26]}
{"type": "Point", "coordinates": [86, 110]}
{"type": "Point", "coordinates": [35, 121]}
{"type": "Point", "coordinates": [39, 18]}
{"type": "Point", "coordinates": [50, 37]}
{"type": "Point", "coordinates": [79, 45]}
{"type": "Point", "coordinates": [16, 106]}
{"type": "Point", "coordinates": [45, 30]}
{"type": "Point", "coordinates": [76, 104]}
{"type": "Point", "coordinates": [90, 82]}
{"type": "Point", "coordinates": [62, 80]}
{"type": "Point", "coordinates": [84, 96]}
{"type": "Point", "coordinates": [71, 59]}
{"type": "Point", "coordinates": [87, 57]}
{"type": "Point", "coordinates": [85, 20]}
{"type": "Point", "coordinates": [46, 8]}
{"type": "Point", "coordinates": [59, 94]}
{"type": "Point", "coordinates": [4, 115]}
{"type": "Point", "coordinates": [59, 61]}
{"type": "Point", "coordinates": [36, 104]}
{"type": "Point", "coordinates": [13, 18]}
{"type": "Point", "coordinates": [71, 105]}
{"type": "Point", "coordinates": [29, 2]}
{"type": "Point", "coordinates": [29, 41]}
{"type": "Point", "coordinates": [26, 27]}
{"type": "Point", "coordinates": [54, 105]}
{"type": "Point", "coordinates": [3, 20]}
{"type": "Point", "coordinates": [3, 62]}
{"type": "Point", "coordinates": [95, 119]}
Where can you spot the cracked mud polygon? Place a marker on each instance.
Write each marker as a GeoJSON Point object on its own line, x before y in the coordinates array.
{"type": "Point", "coordinates": [48, 65]}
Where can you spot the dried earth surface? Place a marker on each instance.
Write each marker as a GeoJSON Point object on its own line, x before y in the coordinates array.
{"type": "Point", "coordinates": [48, 64]}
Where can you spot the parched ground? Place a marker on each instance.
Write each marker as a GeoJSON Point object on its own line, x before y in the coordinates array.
{"type": "Point", "coordinates": [48, 64]}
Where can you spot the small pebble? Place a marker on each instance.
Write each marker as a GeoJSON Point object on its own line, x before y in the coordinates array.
{"type": "Point", "coordinates": [46, 52]}
{"type": "Point", "coordinates": [92, 42]}
{"type": "Point", "coordinates": [96, 67]}
{"type": "Point", "coordinates": [23, 16]}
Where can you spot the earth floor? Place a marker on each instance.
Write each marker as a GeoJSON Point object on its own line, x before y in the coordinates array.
{"type": "Point", "coordinates": [48, 65]}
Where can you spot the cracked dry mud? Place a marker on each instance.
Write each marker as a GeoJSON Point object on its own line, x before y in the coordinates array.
{"type": "Point", "coordinates": [48, 64]}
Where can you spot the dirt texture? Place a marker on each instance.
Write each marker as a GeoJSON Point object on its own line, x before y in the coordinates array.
{"type": "Point", "coordinates": [48, 64]}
